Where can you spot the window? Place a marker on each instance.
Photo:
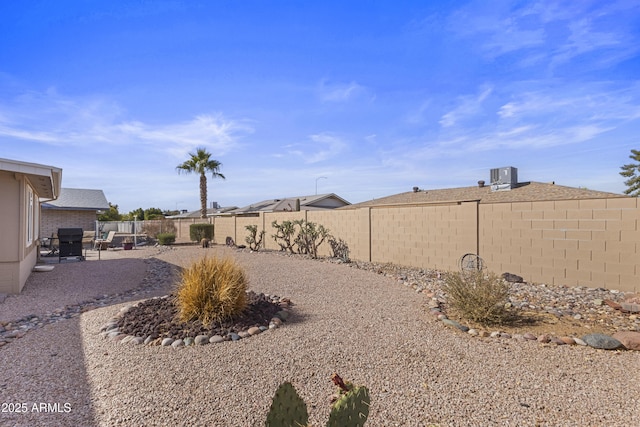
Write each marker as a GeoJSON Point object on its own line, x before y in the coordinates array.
{"type": "Point", "coordinates": [30, 216]}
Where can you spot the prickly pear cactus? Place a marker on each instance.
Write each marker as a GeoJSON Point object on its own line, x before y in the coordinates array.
{"type": "Point", "coordinates": [287, 408]}
{"type": "Point", "coordinates": [351, 409]}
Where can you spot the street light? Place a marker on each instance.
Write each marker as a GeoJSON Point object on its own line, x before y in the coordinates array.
{"type": "Point", "coordinates": [320, 177]}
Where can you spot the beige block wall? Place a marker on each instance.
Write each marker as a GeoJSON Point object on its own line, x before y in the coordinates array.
{"type": "Point", "coordinates": [352, 226]}
{"type": "Point", "coordinates": [52, 219]}
{"type": "Point", "coordinates": [224, 227]}
{"type": "Point", "coordinates": [429, 236]}
{"type": "Point", "coordinates": [594, 243]}
{"type": "Point", "coordinates": [590, 243]}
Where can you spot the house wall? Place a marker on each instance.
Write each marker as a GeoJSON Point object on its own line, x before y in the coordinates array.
{"type": "Point", "coordinates": [591, 242]}
{"type": "Point", "coordinates": [17, 258]}
{"type": "Point", "coordinates": [52, 219]}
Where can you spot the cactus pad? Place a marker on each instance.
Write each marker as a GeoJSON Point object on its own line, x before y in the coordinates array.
{"type": "Point", "coordinates": [287, 408]}
{"type": "Point", "coordinates": [351, 409]}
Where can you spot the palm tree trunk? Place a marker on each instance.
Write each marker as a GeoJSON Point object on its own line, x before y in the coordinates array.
{"type": "Point", "coordinates": [203, 195]}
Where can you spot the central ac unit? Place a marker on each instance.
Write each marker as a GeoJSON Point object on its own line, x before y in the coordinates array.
{"type": "Point", "coordinates": [506, 175]}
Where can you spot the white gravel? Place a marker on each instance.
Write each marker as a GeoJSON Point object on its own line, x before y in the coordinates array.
{"type": "Point", "coordinates": [361, 325]}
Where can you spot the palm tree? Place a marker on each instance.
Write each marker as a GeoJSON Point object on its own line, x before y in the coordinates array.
{"type": "Point", "coordinates": [631, 171]}
{"type": "Point", "coordinates": [201, 163]}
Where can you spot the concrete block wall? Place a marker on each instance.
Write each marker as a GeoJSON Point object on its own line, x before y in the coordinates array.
{"type": "Point", "coordinates": [433, 236]}
{"type": "Point", "coordinates": [592, 242]}
{"type": "Point", "coordinates": [52, 219]}
{"type": "Point", "coordinates": [352, 226]}
{"type": "Point", "coordinates": [224, 227]}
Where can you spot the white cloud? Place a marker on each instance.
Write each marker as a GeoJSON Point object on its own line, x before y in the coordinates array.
{"type": "Point", "coordinates": [468, 107]}
{"type": "Point", "coordinates": [340, 92]}
{"type": "Point", "coordinates": [318, 148]}
{"type": "Point", "coordinates": [552, 33]}
{"type": "Point", "coordinates": [52, 119]}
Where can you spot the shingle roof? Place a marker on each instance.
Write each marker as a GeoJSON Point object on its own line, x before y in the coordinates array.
{"type": "Point", "coordinates": [522, 192]}
{"type": "Point", "coordinates": [78, 199]}
{"type": "Point", "coordinates": [317, 201]}
{"type": "Point", "coordinates": [210, 212]}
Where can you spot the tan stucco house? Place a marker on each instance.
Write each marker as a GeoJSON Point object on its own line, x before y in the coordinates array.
{"type": "Point", "coordinates": [23, 187]}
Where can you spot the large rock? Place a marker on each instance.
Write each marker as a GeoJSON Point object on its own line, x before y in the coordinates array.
{"type": "Point", "coordinates": [630, 307]}
{"type": "Point", "coordinates": [455, 324]}
{"type": "Point", "coordinates": [512, 278]}
{"type": "Point", "coordinates": [602, 341]}
{"type": "Point", "coordinates": [631, 340]}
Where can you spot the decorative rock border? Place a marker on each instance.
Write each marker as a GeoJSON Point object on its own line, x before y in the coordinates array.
{"type": "Point", "coordinates": [598, 341]}
{"type": "Point", "coordinates": [158, 274]}
{"type": "Point", "coordinates": [111, 331]}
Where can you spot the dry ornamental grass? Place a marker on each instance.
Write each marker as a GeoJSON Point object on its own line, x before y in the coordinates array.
{"type": "Point", "coordinates": [211, 290]}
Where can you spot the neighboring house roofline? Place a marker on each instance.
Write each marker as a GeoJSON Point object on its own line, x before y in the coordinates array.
{"type": "Point", "coordinates": [289, 204]}
{"type": "Point", "coordinates": [530, 191]}
{"type": "Point", "coordinates": [79, 199]}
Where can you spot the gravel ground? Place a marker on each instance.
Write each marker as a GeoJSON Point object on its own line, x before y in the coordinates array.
{"type": "Point", "coordinates": [363, 326]}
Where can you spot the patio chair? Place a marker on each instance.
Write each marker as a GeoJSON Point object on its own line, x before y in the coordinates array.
{"type": "Point", "coordinates": [49, 243]}
{"type": "Point", "coordinates": [103, 244]}
{"type": "Point", "coordinates": [88, 238]}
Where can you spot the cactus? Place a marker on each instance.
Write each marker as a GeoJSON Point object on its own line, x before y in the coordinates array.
{"type": "Point", "coordinates": [287, 408]}
{"type": "Point", "coordinates": [351, 409]}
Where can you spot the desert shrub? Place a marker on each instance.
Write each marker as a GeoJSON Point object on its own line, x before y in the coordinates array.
{"type": "Point", "coordinates": [197, 232]}
{"type": "Point", "coordinates": [166, 238]}
{"type": "Point", "coordinates": [211, 290]}
{"type": "Point", "coordinates": [153, 228]}
{"type": "Point", "coordinates": [254, 239]}
{"type": "Point", "coordinates": [476, 296]}
{"type": "Point", "coordinates": [310, 237]}
{"type": "Point", "coordinates": [339, 249]}
{"type": "Point", "coordinates": [284, 236]}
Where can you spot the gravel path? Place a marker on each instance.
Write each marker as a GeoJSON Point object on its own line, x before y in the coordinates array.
{"type": "Point", "coordinates": [361, 325]}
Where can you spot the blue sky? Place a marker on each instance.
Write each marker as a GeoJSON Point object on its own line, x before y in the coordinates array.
{"type": "Point", "coordinates": [363, 99]}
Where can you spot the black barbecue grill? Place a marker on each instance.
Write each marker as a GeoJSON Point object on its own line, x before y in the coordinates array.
{"type": "Point", "coordinates": [69, 243]}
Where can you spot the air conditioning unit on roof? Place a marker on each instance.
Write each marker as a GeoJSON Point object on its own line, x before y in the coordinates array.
{"type": "Point", "coordinates": [504, 178]}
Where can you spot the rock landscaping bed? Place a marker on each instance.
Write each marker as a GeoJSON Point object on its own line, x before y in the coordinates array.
{"type": "Point", "coordinates": [552, 315]}
{"type": "Point", "coordinates": [154, 322]}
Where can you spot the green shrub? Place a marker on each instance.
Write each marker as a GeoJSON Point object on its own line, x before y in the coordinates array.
{"type": "Point", "coordinates": [211, 290]}
{"type": "Point", "coordinates": [476, 296]}
{"type": "Point", "coordinates": [197, 232]}
{"type": "Point", "coordinates": [166, 238]}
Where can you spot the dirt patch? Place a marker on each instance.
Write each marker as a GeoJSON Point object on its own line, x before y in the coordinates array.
{"type": "Point", "coordinates": [540, 323]}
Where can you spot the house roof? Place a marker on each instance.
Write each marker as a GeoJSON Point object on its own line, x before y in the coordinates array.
{"type": "Point", "coordinates": [521, 192]}
{"type": "Point", "coordinates": [210, 212]}
{"type": "Point", "coordinates": [78, 199]}
{"type": "Point", "coordinates": [315, 202]}
{"type": "Point", "coordinates": [45, 180]}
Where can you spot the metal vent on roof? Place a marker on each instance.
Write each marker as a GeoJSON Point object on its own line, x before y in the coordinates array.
{"type": "Point", "coordinates": [504, 178]}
